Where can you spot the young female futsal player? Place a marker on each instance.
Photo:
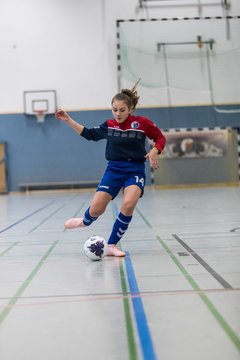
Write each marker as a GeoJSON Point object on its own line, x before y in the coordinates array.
{"type": "Point", "coordinates": [126, 155]}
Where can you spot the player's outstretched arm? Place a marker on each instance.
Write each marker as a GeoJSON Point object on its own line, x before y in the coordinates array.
{"type": "Point", "coordinates": [63, 115]}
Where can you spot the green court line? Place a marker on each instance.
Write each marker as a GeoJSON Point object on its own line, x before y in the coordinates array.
{"type": "Point", "coordinates": [76, 213]}
{"type": "Point", "coordinates": [9, 306]}
{"type": "Point", "coordinates": [132, 349]}
{"type": "Point", "coordinates": [79, 209]}
{"type": "Point", "coordinates": [220, 319]}
{"type": "Point", "coordinates": [143, 217]}
{"type": "Point", "coordinates": [48, 217]}
{"type": "Point", "coordinates": [10, 247]}
{"type": "Point", "coordinates": [222, 322]}
{"type": "Point", "coordinates": [128, 320]}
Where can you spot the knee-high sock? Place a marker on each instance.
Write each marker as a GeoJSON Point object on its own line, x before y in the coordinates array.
{"type": "Point", "coordinates": [88, 219]}
{"type": "Point", "coordinates": [119, 228]}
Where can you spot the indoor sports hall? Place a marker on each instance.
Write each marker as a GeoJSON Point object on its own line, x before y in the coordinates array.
{"type": "Point", "coordinates": [176, 293]}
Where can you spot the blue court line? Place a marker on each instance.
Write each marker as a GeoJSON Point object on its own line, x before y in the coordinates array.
{"type": "Point", "coordinates": [147, 347]}
{"type": "Point", "coordinates": [26, 217]}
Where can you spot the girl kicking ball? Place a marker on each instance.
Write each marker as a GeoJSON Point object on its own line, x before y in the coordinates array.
{"type": "Point", "coordinates": [126, 155]}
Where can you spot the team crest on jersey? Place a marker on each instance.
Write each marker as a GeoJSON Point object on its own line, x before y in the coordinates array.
{"type": "Point", "coordinates": [135, 125]}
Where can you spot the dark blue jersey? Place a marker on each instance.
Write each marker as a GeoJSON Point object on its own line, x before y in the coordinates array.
{"type": "Point", "coordinates": [126, 141]}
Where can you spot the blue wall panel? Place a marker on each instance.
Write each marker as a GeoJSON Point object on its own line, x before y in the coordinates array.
{"type": "Point", "coordinates": [53, 152]}
{"type": "Point", "coordinates": [49, 151]}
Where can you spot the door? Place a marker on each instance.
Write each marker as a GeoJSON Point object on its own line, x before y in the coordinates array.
{"type": "Point", "coordinates": [3, 177]}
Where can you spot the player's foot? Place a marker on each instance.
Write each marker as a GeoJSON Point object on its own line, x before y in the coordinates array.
{"type": "Point", "coordinates": [114, 251]}
{"type": "Point", "coordinates": [74, 223]}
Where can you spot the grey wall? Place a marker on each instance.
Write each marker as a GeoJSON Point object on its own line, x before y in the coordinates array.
{"type": "Point", "coordinates": [200, 170]}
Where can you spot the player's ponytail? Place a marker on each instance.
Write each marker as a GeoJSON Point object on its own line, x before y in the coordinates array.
{"type": "Point", "coordinates": [130, 97]}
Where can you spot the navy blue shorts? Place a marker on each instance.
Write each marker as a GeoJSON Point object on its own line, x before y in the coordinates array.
{"type": "Point", "coordinates": [120, 174]}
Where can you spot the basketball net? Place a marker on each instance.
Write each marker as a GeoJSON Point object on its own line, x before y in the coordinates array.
{"type": "Point", "coordinates": [40, 115]}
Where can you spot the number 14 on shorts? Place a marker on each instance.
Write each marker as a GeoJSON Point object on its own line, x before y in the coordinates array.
{"type": "Point", "coordinates": [139, 180]}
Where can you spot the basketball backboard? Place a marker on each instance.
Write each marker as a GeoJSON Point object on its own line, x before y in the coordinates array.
{"type": "Point", "coordinates": [40, 103]}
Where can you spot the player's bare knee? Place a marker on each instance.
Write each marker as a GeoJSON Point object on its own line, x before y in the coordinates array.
{"type": "Point", "coordinates": [97, 210]}
{"type": "Point", "coordinates": [128, 207]}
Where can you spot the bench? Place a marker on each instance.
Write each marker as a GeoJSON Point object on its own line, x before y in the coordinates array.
{"type": "Point", "coordinates": [27, 186]}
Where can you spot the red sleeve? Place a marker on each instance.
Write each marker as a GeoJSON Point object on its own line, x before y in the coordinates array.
{"type": "Point", "coordinates": [155, 134]}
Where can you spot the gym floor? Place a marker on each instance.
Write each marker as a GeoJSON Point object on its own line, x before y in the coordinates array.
{"type": "Point", "coordinates": [175, 296]}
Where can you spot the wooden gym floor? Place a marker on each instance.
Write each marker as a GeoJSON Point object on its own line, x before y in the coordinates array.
{"type": "Point", "coordinates": [176, 295]}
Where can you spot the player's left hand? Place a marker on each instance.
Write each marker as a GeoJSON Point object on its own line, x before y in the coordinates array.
{"type": "Point", "coordinates": [152, 156]}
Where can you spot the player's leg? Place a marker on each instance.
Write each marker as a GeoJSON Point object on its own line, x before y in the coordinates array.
{"type": "Point", "coordinates": [131, 195]}
{"type": "Point", "coordinates": [107, 189]}
{"type": "Point", "coordinates": [99, 203]}
{"type": "Point", "coordinates": [97, 208]}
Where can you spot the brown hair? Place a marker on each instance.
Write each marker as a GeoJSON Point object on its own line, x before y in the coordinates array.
{"type": "Point", "coordinates": [130, 97]}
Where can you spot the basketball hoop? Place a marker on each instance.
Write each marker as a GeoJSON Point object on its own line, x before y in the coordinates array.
{"type": "Point", "coordinates": [40, 115]}
{"type": "Point", "coordinates": [40, 103]}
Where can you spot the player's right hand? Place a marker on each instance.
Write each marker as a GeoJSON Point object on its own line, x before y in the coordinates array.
{"type": "Point", "coordinates": [62, 115]}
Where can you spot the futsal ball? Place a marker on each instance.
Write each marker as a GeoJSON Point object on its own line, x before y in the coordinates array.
{"type": "Point", "coordinates": [95, 248]}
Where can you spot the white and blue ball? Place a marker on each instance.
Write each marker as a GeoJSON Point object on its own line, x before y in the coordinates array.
{"type": "Point", "coordinates": [95, 248]}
